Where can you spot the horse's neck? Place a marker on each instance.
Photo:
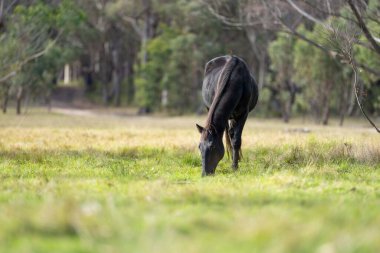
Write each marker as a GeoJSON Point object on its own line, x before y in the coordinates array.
{"type": "Point", "coordinates": [219, 121]}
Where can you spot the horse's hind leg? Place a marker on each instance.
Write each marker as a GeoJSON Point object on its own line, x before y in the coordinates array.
{"type": "Point", "coordinates": [235, 131]}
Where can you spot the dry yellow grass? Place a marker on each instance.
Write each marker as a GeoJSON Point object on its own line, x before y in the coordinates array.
{"type": "Point", "coordinates": [145, 130]}
{"type": "Point", "coordinates": [106, 132]}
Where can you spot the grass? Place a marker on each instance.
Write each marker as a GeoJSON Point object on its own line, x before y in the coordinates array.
{"type": "Point", "coordinates": [132, 184]}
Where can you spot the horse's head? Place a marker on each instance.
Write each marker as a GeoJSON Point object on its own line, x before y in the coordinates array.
{"type": "Point", "coordinates": [211, 148]}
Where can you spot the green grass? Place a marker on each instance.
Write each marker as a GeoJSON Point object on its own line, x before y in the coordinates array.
{"type": "Point", "coordinates": [110, 184]}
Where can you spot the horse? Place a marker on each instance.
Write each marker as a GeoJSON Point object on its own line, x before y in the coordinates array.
{"type": "Point", "coordinates": [229, 93]}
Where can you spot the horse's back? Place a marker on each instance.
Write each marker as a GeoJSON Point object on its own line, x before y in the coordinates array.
{"type": "Point", "coordinates": [241, 82]}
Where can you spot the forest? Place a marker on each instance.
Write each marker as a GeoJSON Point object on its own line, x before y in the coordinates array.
{"type": "Point", "coordinates": [313, 59]}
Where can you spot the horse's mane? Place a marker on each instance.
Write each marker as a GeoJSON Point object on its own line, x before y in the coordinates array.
{"type": "Point", "coordinates": [220, 88]}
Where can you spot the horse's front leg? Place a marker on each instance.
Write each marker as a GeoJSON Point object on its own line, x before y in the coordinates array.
{"type": "Point", "coordinates": [235, 131]}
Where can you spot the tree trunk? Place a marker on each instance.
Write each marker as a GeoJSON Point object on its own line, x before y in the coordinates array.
{"type": "Point", "coordinates": [287, 105]}
{"type": "Point", "coordinates": [344, 103]}
{"type": "Point", "coordinates": [105, 75]}
{"type": "Point", "coordinates": [87, 71]}
{"type": "Point", "coordinates": [352, 102]}
{"type": "Point", "coordinates": [5, 104]}
{"type": "Point", "coordinates": [145, 33]}
{"type": "Point", "coordinates": [117, 75]}
{"type": "Point", "coordinates": [26, 102]}
{"type": "Point", "coordinates": [149, 29]}
{"type": "Point", "coordinates": [286, 116]}
{"type": "Point", "coordinates": [20, 93]}
{"type": "Point", "coordinates": [326, 115]}
{"type": "Point", "coordinates": [262, 69]}
{"type": "Point", "coordinates": [342, 116]}
{"type": "Point", "coordinates": [117, 88]}
{"type": "Point", "coordinates": [1, 15]}
{"type": "Point", "coordinates": [326, 103]}
{"type": "Point", "coordinates": [6, 99]}
{"type": "Point", "coordinates": [260, 53]}
{"type": "Point", "coordinates": [148, 32]}
{"type": "Point", "coordinates": [48, 100]}
{"type": "Point", "coordinates": [130, 80]}
{"type": "Point", "coordinates": [288, 86]}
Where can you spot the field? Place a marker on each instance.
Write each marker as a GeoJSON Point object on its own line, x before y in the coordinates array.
{"type": "Point", "coordinates": [98, 183]}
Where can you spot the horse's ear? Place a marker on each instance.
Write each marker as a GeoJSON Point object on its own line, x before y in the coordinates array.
{"type": "Point", "coordinates": [200, 129]}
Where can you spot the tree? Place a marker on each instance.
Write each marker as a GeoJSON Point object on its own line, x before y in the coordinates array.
{"type": "Point", "coordinates": [31, 33]}
{"type": "Point", "coordinates": [287, 16]}
{"type": "Point", "coordinates": [281, 52]}
{"type": "Point", "coordinates": [184, 49]}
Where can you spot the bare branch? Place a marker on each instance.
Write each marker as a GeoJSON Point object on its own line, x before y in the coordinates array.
{"type": "Point", "coordinates": [37, 55]}
{"type": "Point", "coordinates": [357, 97]}
{"type": "Point", "coordinates": [10, 6]}
{"type": "Point", "coordinates": [346, 51]}
{"type": "Point", "coordinates": [329, 12]}
{"type": "Point", "coordinates": [27, 60]}
{"type": "Point", "coordinates": [329, 27]}
{"type": "Point", "coordinates": [307, 15]}
{"type": "Point", "coordinates": [227, 21]}
{"type": "Point", "coordinates": [364, 27]}
{"type": "Point", "coordinates": [8, 76]}
{"type": "Point", "coordinates": [134, 24]}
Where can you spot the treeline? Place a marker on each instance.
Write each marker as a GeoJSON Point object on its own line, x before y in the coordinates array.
{"type": "Point", "coordinates": [151, 53]}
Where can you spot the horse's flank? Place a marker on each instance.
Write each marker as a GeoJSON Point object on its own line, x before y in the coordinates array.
{"type": "Point", "coordinates": [220, 88]}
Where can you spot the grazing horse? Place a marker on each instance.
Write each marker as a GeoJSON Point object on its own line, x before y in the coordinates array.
{"type": "Point", "coordinates": [229, 92]}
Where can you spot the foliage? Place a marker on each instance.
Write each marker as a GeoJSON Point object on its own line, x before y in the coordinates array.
{"type": "Point", "coordinates": [365, 55]}
{"type": "Point", "coordinates": [175, 62]}
{"type": "Point", "coordinates": [320, 73]}
{"type": "Point", "coordinates": [33, 44]}
{"type": "Point", "coordinates": [281, 54]}
{"type": "Point", "coordinates": [149, 75]}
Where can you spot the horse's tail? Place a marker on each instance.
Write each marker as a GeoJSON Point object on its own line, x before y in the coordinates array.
{"type": "Point", "coordinates": [228, 142]}
{"type": "Point", "coordinates": [223, 79]}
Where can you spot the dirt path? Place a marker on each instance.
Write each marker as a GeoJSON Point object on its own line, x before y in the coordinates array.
{"type": "Point", "coordinates": [74, 112]}
{"type": "Point", "coordinates": [94, 112]}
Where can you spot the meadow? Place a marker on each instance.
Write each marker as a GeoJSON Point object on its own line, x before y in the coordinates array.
{"type": "Point", "coordinates": [102, 183]}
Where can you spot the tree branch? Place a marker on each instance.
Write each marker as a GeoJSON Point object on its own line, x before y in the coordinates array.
{"type": "Point", "coordinates": [357, 96]}
{"type": "Point", "coordinates": [8, 76]}
{"type": "Point", "coordinates": [11, 5]}
{"type": "Point", "coordinates": [307, 15]}
{"type": "Point", "coordinates": [225, 20]}
{"type": "Point", "coordinates": [364, 27]}
{"type": "Point", "coordinates": [27, 60]}
{"type": "Point", "coordinates": [134, 25]}
{"type": "Point", "coordinates": [368, 69]}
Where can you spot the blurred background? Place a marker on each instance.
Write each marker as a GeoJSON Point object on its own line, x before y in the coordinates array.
{"type": "Point", "coordinates": [148, 56]}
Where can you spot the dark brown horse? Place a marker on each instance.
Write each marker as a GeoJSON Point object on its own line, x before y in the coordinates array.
{"type": "Point", "coordinates": [229, 92]}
